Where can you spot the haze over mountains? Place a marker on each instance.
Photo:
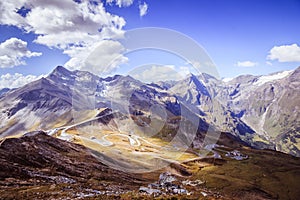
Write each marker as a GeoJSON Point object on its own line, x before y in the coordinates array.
{"type": "Point", "coordinates": [262, 111]}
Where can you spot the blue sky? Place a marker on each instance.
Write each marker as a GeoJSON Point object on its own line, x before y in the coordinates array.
{"type": "Point", "coordinates": [241, 37]}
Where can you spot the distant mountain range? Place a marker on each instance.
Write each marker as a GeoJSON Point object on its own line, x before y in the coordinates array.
{"type": "Point", "coordinates": [262, 111]}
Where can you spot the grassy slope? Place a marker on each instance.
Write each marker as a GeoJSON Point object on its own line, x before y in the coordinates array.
{"type": "Point", "coordinates": [266, 174]}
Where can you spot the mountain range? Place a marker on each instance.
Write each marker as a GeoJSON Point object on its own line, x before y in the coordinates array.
{"type": "Point", "coordinates": [76, 135]}
{"type": "Point", "coordinates": [262, 111]}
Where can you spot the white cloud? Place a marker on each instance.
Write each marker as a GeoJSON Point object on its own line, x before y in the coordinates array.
{"type": "Point", "coordinates": [155, 73]}
{"type": "Point", "coordinates": [71, 17]}
{"type": "Point", "coordinates": [16, 80]}
{"type": "Point", "coordinates": [227, 79]}
{"type": "Point", "coordinates": [8, 14]}
{"type": "Point", "coordinates": [75, 24]}
{"type": "Point", "coordinates": [102, 58]}
{"type": "Point", "coordinates": [120, 3]}
{"type": "Point", "coordinates": [246, 64]}
{"type": "Point", "coordinates": [73, 27]}
{"type": "Point", "coordinates": [184, 70]}
{"type": "Point", "coordinates": [285, 53]}
{"type": "Point", "coordinates": [143, 9]}
{"type": "Point", "coordinates": [13, 51]}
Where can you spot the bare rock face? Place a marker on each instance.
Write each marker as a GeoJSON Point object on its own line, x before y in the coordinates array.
{"type": "Point", "coordinates": [270, 106]}
{"type": "Point", "coordinates": [261, 110]}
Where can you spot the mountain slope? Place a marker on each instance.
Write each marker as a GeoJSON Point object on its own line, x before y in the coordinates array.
{"type": "Point", "coordinates": [38, 166]}
{"type": "Point", "coordinates": [34, 106]}
{"type": "Point", "coordinates": [200, 93]}
{"type": "Point", "coordinates": [270, 106]}
{"type": "Point", "coordinates": [56, 168]}
{"type": "Point", "coordinates": [261, 110]}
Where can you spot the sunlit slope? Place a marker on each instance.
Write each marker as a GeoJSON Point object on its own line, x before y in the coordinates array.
{"type": "Point", "coordinates": [131, 149]}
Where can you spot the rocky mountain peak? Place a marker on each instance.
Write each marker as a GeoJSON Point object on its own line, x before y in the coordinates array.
{"type": "Point", "coordinates": [195, 83]}
{"type": "Point", "coordinates": [61, 75]}
{"type": "Point", "coordinates": [60, 70]}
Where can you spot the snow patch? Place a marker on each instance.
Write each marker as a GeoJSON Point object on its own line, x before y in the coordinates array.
{"type": "Point", "coordinates": [264, 79]}
{"type": "Point", "coordinates": [64, 78]}
{"type": "Point", "coordinates": [84, 78]}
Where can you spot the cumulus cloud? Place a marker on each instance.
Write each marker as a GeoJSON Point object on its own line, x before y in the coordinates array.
{"type": "Point", "coordinates": [73, 27]}
{"type": "Point", "coordinates": [8, 14]}
{"type": "Point", "coordinates": [246, 64]}
{"type": "Point", "coordinates": [13, 51]}
{"type": "Point", "coordinates": [155, 73]}
{"type": "Point", "coordinates": [143, 9]}
{"type": "Point", "coordinates": [102, 58]}
{"type": "Point", "coordinates": [285, 53]}
{"type": "Point", "coordinates": [16, 80]}
{"type": "Point", "coordinates": [120, 3]}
